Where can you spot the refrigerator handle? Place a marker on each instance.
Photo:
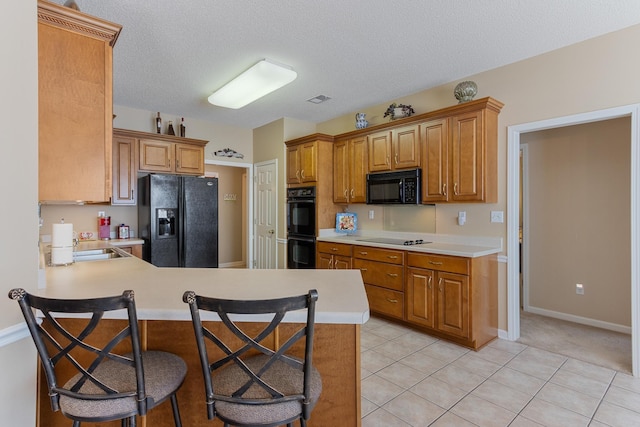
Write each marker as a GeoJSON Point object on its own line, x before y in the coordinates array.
{"type": "Point", "coordinates": [182, 215]}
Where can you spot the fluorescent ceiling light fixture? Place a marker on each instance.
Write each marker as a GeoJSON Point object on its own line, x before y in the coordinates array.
{"type": "Point", "coordinates": [258, 81]}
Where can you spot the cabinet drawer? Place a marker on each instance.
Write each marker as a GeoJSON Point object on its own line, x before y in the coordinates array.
{"type": "Point", "coordinates": [375, 254]}
{"type": "Point", "coordinates": [385, 301]}
{"type": "Point", "coordinates": [439, 262]}
{"type": "Point", "coordinates": [334, 248]}
{"type": "Point", "coordinates": [381, 274]}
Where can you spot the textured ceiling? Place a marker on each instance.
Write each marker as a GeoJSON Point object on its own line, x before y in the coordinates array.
{"type": "Point", "coordinates": [171, 55]}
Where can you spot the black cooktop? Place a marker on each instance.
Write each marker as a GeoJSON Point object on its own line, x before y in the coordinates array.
{"type": "Point", "coordinates": [392, 241]}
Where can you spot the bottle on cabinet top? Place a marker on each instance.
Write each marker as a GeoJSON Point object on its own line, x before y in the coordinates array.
{"type": "Point", "coordinates": [170, 130]}
{"type": "Point", "coordinates": [183, 129]}
{"type": "Point", "coordinates": [158, 123]}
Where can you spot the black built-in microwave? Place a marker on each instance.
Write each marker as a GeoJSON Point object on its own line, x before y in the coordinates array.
{"type": "Point", "coordinates": [394, 188]}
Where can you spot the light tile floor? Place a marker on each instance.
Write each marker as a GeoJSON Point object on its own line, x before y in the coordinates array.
{"type": "Point", "coordinates": [413, 379]}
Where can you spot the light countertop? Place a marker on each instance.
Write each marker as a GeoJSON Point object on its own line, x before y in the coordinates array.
{"type": "Point", "coordinates": [470, 247]}
{"type": "Point", "coordinates": [158, 291]}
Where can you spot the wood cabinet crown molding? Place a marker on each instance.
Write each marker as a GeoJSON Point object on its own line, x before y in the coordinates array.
{"type": "Point", "coordinates": [482, 103]}
{"type": "Point", "coordinates": [87, 25]}
{"type": "Point", "coordinates": [310, 138]}
{"type": "Point", "coordinates": [159, 137]}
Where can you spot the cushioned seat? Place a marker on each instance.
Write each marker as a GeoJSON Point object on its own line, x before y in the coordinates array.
{"type": "Point", "coordinates": [163, 374]}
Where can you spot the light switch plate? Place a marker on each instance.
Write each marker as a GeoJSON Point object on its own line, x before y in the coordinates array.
{"type": "Point", "coordinates": [497, 216]}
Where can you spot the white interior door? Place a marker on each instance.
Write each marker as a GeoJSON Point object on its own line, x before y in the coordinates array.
{"type": "Point", "coordinates": [266, 214]}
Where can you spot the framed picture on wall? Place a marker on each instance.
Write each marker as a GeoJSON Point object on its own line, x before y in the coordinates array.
{"type": "Point", "coordinates": [346, 222]}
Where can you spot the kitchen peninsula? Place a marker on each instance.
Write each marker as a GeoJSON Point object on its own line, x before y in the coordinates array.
{"type": "Point", "coordinates": [166, 324]}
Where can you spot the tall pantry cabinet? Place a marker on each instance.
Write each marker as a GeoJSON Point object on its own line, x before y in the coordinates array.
{"type": "Point", "coordinates": [75, 104]}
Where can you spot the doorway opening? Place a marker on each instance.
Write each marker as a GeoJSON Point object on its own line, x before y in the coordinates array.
{"type": "Point", "coordinates": [513, 213]}
{"type": "Point", "coordinates": [574, 228]}
{"type": "Point", "coordinates": [243, 205]}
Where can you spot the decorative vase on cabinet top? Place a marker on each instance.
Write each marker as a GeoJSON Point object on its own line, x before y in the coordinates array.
{"type": "Point", "coordinates": [465, 91]}
{"type": "Point", "coordinates": [361, 122]}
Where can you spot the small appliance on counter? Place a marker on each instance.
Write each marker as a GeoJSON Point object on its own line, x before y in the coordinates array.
{"type": "Point", "coordinates": [104, 227]}
{"type": "Point", "coordinates": [123, 231]}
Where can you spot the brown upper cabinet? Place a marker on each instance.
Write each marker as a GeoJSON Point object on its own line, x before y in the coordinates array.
{"type": "Point", "coordinates": [75, 111]}
{"type": "Point", "coordinates": [135, 151]}
{"type": "Point", "coordinates": [459, 157]}
{"type": "Point", "coordinates": [396, 148]}
{"type": "Point", "coordinates": [124, 169]}
{"type": "Point", "coordinates": [171, 154]}
{"type": "Point", "coordinates": [302, 163]}
{"type": "Point", "coordinates": [350, 170]}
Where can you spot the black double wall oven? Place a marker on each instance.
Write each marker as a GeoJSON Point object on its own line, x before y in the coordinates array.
{"type": "Point", "coordinates": [301, 227]}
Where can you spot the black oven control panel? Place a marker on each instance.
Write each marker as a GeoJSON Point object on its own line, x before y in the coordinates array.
{"type": "Point", "coordinates": [301, 192]}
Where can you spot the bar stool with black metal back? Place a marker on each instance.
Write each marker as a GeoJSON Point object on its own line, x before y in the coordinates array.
{"type": "Point", "coordinates": [254, 379]}
{"type": "Point", "coordinates": [104, 385]}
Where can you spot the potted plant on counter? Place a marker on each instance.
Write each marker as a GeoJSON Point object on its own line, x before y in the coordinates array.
{"type": "Point", "coordinates": [398, 111]}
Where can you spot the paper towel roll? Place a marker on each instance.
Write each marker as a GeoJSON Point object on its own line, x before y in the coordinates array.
{"type": "Point", "coordinates": [61, 256]}
{"type": "Point", "coordinates": [62, 236]}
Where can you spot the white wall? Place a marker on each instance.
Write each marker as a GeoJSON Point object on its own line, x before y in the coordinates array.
{"type": "Point", "coordinates": [19, 189]}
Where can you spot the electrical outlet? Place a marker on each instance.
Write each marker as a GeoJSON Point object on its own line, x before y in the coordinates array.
{"type": "Point", "coordinates": [579, 289]}
{"type": "Point", "coordinates": [497, 216]}
{"type": "Point", "coordinates": [371, 214]}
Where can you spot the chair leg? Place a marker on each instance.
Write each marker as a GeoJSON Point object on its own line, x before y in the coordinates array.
{"type": "Point", "coordinates": [132, 421]}
{"type": "Point", "coordinates": [76, 423]}
{"type": "Point", "coordinates": [176, 410]}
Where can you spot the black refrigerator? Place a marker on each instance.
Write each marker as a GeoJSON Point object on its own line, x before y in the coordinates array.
{"type": "Point", "coordinates": [178, 220]}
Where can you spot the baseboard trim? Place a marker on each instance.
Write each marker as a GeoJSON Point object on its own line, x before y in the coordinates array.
{"type": "Point", "coordinates": [234, 264]}
{"type": "Point", "coordinates": [503, 335]}
{"type": "Point", "coordinates": [13, 333]}
{"type": "Point", "coordinates": [579, 319]}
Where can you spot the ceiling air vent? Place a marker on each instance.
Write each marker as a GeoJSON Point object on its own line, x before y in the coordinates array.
{"type": "Point", "coordinates": [318, 99]}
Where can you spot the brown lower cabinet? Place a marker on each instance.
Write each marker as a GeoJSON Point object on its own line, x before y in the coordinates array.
{"type": "Point", "coordinates": [333, 256]}
{"type": "Point", "coordinates": [336, 355]}
{"type": "Point", "coordinates": [452, 297]}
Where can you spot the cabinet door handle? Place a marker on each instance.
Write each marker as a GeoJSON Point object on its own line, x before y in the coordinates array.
{"type": "Point", "coordinates": [455, 188]}
{"type": "Point", "coordinates": [392, 275]}
{"type": "Point", "coordinates": [302, 173]}
{"type": "Point", "coordinates": [132, 194]}
{"type": "Point", "coordinates": [346, 193]}
{"type": "Point", "coordinates": [298, 175]}
{"type": "Point", "coordinates": [435, 263]}
{"type": "Point", "coordinates": [386, 161]}
{"type": "Point", "coordinates": [363, 269]}
{"type": "Point", "coordinates": [440, 284]}
{"type": "Point", "coordinates": [444, 189]}
{"type": "Point", "coordinates": [352, 193]}
{"type": "Point", "coordinates": [363, 253]}
{"type": "Point", "coordinates": [429, 282]}
{"type": "Point", "coordinates": [392, 301]}
{"type": "Point", "coordinates": [177, 163]}
{"type": "Point", "coordinates": [392, 256]}
{"type": "Point", "coordinates": [396, 158]}
{"type": "Point", "coordinates": [334, 249]}
{"type": "Point", "coordinates": [331, 263]}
